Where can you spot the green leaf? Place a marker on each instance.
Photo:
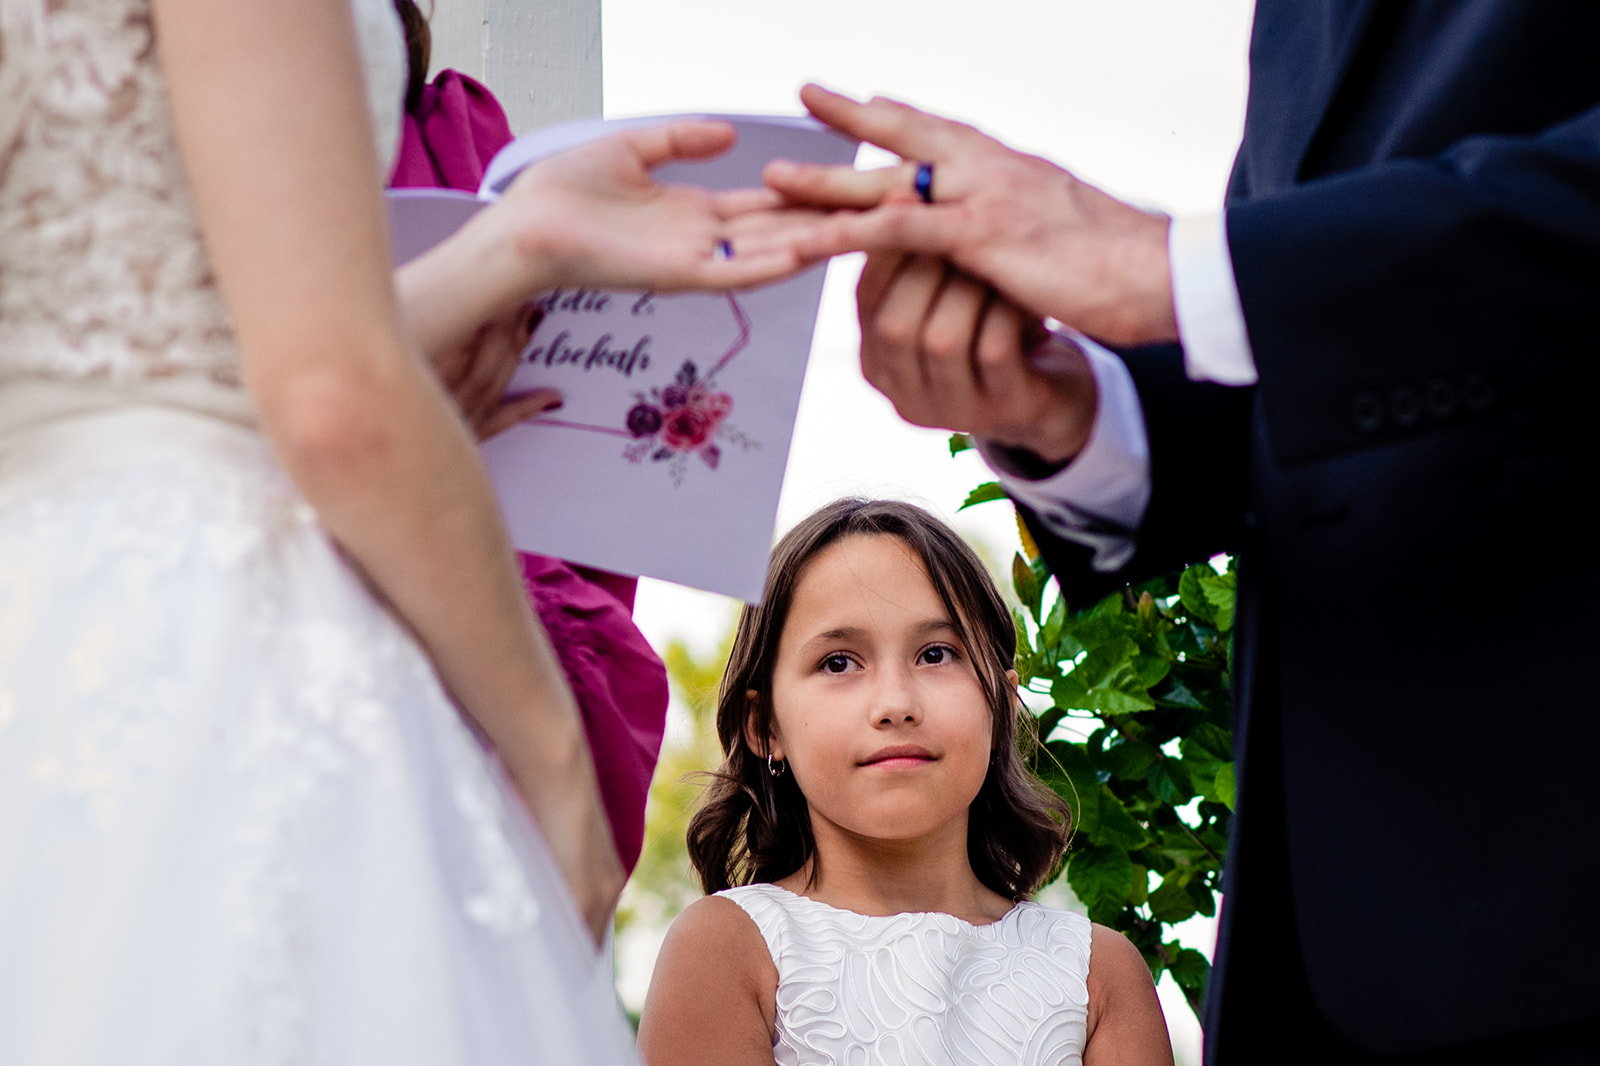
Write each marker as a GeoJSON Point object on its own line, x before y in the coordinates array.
{"type": "Point", "coordinates": [1117, 826]}
{"type": "Point", "coordinates": [1069, 692]}
{"type": "Point", "coordinates": [1129, 759]}
{"type": "Point", "coordinates": [1208, 595]}
{"type": "Point", "coordinates": [1029, 588]}
{"type": "Point", "coordinates": [1140, 893]}
{"type": "Point", "coordinates": [1171, 903]}
{"type": "Point", "coordinates": [1220, 592]}
{"type": "Point", "coordinates": [989, 490]}
{"type": "Point", "coordinates": [1213, 739]}
{"type": "Point", "coordinates": [1225, 786]}
{"type": "Point", "coordinates": [1064, 766]}
{"type": "Point", "coordinates": [1193, 596]}
{"type": "Point", "coordinates": [1151, 670]}
{"type": "Point", "coordinates": [1169, 780]}
{"type": "Point", "coordinates": [1110, 673]}
{"type": "Point", "coordinates": [1103, 879]}
{"type": "Point", "coordinates": [1050, 632]}
{"type": "Point", "coordinates": [959, 442]}
{"type": "Point", "coordinates": [1205, 900]}
{"type": "Point", "coordinates": [1189, 968]}
{"type": "Point", "coordinates": [1105, 661]}
{"type": "Point", "coordinates": [1176, 694]}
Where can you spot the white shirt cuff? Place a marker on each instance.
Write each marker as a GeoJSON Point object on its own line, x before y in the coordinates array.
{"type": "Point", "coordinates": [1205, 297]}
{"type": "Point", "coordinates": [1098, 499]}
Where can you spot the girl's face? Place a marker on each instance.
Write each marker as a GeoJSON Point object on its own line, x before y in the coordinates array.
{"type": "Point", "coordinates": [877, 707]}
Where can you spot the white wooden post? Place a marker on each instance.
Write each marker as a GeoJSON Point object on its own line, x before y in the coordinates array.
{"type": "Point", "coordinates": [540, 57]}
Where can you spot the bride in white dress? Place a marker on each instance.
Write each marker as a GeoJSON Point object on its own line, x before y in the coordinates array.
{"type": "Point", "coordinates": [246, 551]}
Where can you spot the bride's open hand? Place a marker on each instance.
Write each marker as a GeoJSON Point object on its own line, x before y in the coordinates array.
{"type": "Point", "coordinates": [596, 216]}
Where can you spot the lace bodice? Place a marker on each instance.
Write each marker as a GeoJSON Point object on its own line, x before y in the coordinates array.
{"type": "Point", "coordinates": [923, 988]}
{"type": "Point", "coordinates": [103, 271]}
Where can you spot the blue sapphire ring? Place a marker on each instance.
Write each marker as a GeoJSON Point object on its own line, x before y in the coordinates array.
{"type": "Point", "coordinates": [923, 182]}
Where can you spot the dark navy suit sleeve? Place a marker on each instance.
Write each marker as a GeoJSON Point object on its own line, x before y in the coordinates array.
{"type": "Point", "coordinates": [1198, 447]}
{"type": "Point", "coordinates": [1399, 295]}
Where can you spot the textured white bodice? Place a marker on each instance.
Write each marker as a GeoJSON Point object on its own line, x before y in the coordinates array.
{"type": "Point", "coordinates": [928, 989]}
{"type": "Point", "coordinates": [103, 272]}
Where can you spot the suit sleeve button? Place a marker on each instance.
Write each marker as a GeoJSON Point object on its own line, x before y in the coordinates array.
{"type": "Point", "coordinates": [1368, 411]}
{"type": "Point", "coordinates": [1440, 398]}
{"type": "Point", "coordinates": [1405, 406]}
{"type": "Point", "coordinates": [1477, 392]}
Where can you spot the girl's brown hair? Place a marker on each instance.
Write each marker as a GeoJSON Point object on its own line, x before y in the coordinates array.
{"type": "Point", "coordinates": [755, 827]}
{"type": "Point", "coordinates": [419, 49]}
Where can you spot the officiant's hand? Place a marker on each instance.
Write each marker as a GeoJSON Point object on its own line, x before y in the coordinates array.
{"type": "Point", "coordinates": [596, 216]}
{"type": "Point", "coordinates": [1053, 244]}
{"type": "Point", "coordinates": [950, 352]}
{"type": "Point", "coordinates": [477, 371]}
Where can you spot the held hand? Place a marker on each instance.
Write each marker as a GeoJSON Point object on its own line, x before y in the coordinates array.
{"type": "Point", "coordinates": [1051, 243]}
{"type": "Point", "coordinates": [477, 371]}
{"type": "Point", "coordinates": [948, 352]}
{"type": "Point", "coordinates": [595, 216]}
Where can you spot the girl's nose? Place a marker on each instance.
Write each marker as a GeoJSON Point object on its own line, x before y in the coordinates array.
{"type": "Point", "coordinates": [896, 701]}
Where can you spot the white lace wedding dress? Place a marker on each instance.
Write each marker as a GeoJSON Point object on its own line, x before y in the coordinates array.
{"type": "Point", "coordinates": [240, 822]}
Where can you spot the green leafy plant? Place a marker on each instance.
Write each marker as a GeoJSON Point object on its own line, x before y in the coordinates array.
{"type": "Point", "coordinates": [1137, 739]}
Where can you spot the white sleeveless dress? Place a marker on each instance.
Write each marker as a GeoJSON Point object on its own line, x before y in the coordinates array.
{"type": "Point", "coordinates": [923, 989]}
{"type": "Point", "coordinates": [240, 821]}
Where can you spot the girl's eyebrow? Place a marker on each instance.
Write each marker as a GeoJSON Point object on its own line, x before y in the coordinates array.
{"type": "Point", "coordinates": [932, 625]}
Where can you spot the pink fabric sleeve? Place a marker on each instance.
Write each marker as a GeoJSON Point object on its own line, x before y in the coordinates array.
{"type": "Point", "coordinates": [619, 681]}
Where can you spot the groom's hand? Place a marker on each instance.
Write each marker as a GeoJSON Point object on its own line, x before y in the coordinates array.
{"type": "Point", "coordinates": [1051, 243]}
{"type": "Point", "coordinates": [949, 352]}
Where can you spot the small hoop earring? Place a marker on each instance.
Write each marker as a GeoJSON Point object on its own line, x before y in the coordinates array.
{"type": "Point", "coordinates": [775, 769]}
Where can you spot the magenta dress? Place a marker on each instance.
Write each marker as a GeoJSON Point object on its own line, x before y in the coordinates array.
{"type": "Point", "coordinates": [620, 683]}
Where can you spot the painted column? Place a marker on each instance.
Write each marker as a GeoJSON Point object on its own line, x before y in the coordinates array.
{"type": "Point", "coordinates": [540, 57]}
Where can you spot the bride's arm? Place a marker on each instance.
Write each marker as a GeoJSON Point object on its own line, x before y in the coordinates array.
{"type": "Point", "coordinates": [272, 122]}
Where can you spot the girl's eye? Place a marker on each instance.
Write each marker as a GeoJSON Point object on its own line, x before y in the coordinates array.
{"type": "Point", "coordinates": [837, 664]}
{"type": "Point", "coordinates": [937, 655]}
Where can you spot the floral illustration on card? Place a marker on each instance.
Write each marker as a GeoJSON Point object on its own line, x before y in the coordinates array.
{"type": "Point", "coordinates": [687, 418]}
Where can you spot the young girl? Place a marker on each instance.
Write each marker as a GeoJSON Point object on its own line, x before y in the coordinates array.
{"type": "Point", "coordinates": [873, 834]}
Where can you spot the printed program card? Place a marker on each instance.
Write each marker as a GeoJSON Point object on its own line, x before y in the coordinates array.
{"type": "Point", "coordinates": [668, 453]}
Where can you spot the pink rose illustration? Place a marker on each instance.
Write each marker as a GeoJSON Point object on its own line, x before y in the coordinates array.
{"type": "Point", "coordinates": [686, 429]}
{"type": "Point", "coordinates": [679, 420]}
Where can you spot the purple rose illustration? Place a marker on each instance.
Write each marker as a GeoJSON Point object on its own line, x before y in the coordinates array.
{"type": "Point", "coordinates": [644, 419]}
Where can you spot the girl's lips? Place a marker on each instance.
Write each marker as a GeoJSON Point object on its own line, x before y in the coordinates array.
{"type": "Point", "coordinates": [900, 755]}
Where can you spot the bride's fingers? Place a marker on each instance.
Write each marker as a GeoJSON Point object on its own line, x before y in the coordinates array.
{"type": "Point", "coordinates": [680, 140]}
{"type": "Point", "coordinates": [493, 363]}
{"type": "Point", "coordinates": [518, 409]}
{"type": "Point", "coordinates": [733, 203]}
{"type": "Point", "coordinates": [749, 268]}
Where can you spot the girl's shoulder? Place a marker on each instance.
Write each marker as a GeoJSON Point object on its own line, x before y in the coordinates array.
{"type": "Point", "coordinates": [1123, 1009]}
{"type": "Point", "coordinates": [712, 993]}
